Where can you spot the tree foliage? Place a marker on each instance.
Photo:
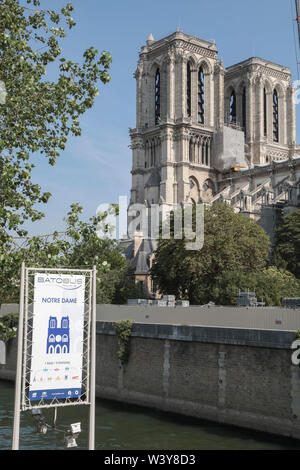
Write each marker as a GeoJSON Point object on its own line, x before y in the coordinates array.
{"type": "Point", "coordinates": [38, 114]}
{"type": "Point", "coordinates": [79, 247]}
{"type": "Point", "coordinates": [287, 246]}
{"type": "Point", "coordinates": [271, 285]}
{"type": "Point", "coordinates": [232, 244]}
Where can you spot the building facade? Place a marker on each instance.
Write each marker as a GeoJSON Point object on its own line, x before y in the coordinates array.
{"type": "Point", "coordinates": [206, 133]}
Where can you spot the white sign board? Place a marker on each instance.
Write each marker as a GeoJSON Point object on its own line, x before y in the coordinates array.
{"type": "Point", "coordinates": [57, 341]}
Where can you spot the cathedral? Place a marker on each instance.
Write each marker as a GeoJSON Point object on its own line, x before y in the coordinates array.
{"type": "Point", "coordinates": [206, 133]}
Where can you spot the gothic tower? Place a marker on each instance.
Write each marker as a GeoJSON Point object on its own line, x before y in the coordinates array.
{"type": "Point", "coordinates": [259, 99]}
{"type": "Point", "coordinates": [180, 89]}
{"type": "Point", "coordinates": [205, 133]}
{"type": "Point", "coordinates": [195, 120]}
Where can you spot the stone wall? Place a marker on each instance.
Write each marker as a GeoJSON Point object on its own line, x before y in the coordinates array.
{"type": "Point", "coordinates": [270, 318]}
{"type": "Point", "coordinates": [237, 376]}
{"type": "Point", "coordinates": [267, 318]}
{"type": "Point", "coordinates": [234, 376]}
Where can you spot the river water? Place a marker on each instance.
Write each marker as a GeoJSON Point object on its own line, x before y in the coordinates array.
{"type": "Point", "coordinates": [123, 427]}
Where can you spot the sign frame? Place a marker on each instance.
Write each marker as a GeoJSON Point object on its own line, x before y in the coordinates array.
{"type": "Point", "coordinates": [24, 356]}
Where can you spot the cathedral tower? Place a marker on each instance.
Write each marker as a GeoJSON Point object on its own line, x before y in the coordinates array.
{"type": "Point", "coordinates": [180, 89]}
{"type": "Point", "coordinates": [196, 120]}
{"type": "Point", "coordinates": [259, 99]}
{"type": "Point", "coordinates": [206, 134]}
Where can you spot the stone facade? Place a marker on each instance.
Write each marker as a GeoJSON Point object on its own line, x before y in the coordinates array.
{"type": "Point", "coordinates": [206, 133]}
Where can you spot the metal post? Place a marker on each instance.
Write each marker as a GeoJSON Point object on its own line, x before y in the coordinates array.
{"type": "Point", "coordinates": [93, 368]}
{"type": "Point", "coordinates": [16, 426]}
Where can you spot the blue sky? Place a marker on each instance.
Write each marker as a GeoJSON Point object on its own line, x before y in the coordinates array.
{"type": "Point", "coordinates": [95, 168]}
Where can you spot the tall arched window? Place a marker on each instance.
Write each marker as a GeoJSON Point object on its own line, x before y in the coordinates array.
{"type": "Point", "coordinates": [152, 157]}
{"type": "Point", "coordinates": [275, 117]}
{"type": "Point", "coordinates": [244, 110]}
{"type": "Point", "coordinates": [232, 108]}
{"type": "Point", "coordinates": [201, 96]}
{"type": "Point", "coordinates": [265, 112]}
{"type": "Point", "coordinates": [157, 97]}
{"type": "Point", "coordinates": [188, 90]}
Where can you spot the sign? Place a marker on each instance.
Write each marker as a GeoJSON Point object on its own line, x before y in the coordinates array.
{"type": "Point", "coordinates": [57, 338]}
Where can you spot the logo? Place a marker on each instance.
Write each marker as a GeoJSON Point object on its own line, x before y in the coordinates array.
{"type": "Point", "coordinates": [154, 220]}
{"type": "Point", "coordinates": [65, 283]}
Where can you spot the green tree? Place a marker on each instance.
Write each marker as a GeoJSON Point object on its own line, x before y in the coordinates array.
{"type": "Point", "coordinates": [271, 285]}
{"type": "Point", "coordinates": [287, 246]}
{"type": "Point", "coordinates": [80, 246]}
{"type": "Point", "coordinates": [38, 114]}
{"type": "Point", "coordinates": [232, 243]}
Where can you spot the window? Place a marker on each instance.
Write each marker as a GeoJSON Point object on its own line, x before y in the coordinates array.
{"type": "Point", "coordinates": [275, 117]}
{"type": "Point", "coordinates": [201, 96]}
{"type": "Point", "coordinates": [232, 108]}
{"type": "Point", "coordinates": [153, 154]}
{"type": "Point", "coordinates": [188, 91]}
{"type": "Point", "coordinates": [244, 115]}
{"type": "Point", "coordinates": [157, 97]}
{"type": "Point", "coordinates": [265, 112]}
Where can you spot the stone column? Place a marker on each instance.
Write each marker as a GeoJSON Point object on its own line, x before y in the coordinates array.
{"type": "Point", "coordinates": [138, 77]}
{"type": "Point", "coordinates": [219, 94]}
{"type": "Point", "coordinates": [260, 110]}
{"type": "Point", "coordinates": [167, 171]}
{"type": "Point", "coordinates": [209, 99]}
{"type": "Point", "coordinates": [208, 151]}
{"type": "Point", "coordinates": [171, 86]}
{"type": "Point", "coordinates": [291, 116]}
{"type": "Point", "coordinates": [183, 87]}
{"type": "Point", "coordinates": [178, 110]}
{"type": "Point", "coordinates": [250, 116]}
{"type": "Point", "coordinates": [282, 98]}
{"type": "Point", "coordinates": [198, 150]}
{"type": "Point", "coordinates": [259, 120]}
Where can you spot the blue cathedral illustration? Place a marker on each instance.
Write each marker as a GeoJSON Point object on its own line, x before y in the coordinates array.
{"type": "Point", "coordinates": [58, 339]}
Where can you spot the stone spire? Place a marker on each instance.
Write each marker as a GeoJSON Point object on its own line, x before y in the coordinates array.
{"type": "Point", "coordinates": [150, 39]}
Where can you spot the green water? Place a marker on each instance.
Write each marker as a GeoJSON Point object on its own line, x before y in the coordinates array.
{"type": "Point", "coordinates": [122, 427]}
